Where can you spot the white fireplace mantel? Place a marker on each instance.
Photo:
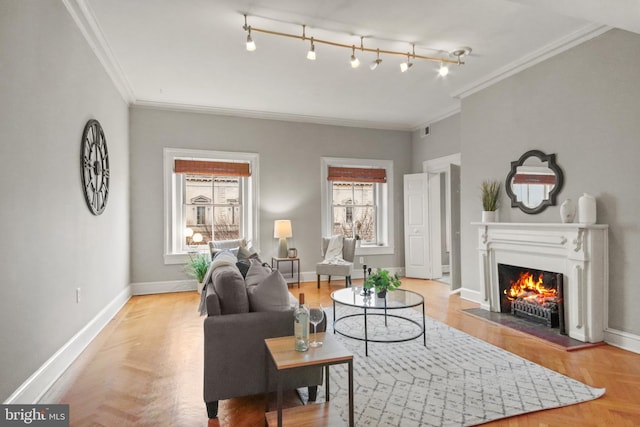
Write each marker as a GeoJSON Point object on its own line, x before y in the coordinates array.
{"type": "Point", "coordinates": [578, 251]}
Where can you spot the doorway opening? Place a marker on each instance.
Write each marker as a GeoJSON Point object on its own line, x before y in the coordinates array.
{"type": "Point", "coordinates": [448, 202]}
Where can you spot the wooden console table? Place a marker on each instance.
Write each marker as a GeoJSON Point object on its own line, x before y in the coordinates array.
{"type": "Point", "coordinates": [281, 352]}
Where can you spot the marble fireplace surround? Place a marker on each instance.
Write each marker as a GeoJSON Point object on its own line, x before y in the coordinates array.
{"type": "Point", "coordinates": [578, 251]}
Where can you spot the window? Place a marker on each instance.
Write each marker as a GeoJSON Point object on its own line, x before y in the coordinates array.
{"type": "Point", "coordinates": [210, 194]}
{"type": "Point", "coordinates": [354, 210]}
{"type": "Point", "coordinates": [357, 201]}
{"type": "Point", "coordinates": [199, 216]}
{"type": "Point", "coordinates": [212, 206]}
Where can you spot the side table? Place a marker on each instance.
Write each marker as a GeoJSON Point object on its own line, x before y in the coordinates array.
{"type": "Point", "coordinates": [275, 263]}
{"type": "Point", "coordinates": [281, 352]}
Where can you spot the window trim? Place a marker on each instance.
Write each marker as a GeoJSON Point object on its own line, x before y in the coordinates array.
{"type": "Point", "coordinates": [385, 202]}
{"type": "Point", "coordinates": [172, 252]}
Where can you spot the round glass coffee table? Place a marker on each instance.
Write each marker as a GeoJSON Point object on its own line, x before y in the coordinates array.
{"type": "Point", "coordinates": [371, 305]}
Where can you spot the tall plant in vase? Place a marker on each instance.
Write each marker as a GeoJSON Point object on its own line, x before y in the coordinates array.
{"type": "Point", "coordinates": [490, 199]}
{"type": "Point", "coordinates": [197, 267]}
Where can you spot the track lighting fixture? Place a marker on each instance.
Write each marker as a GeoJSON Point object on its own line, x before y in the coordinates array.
{"type": "Point", "coordinates": [311, 55]}
{"type": "Point", "coordinates": [376, 62]}
{"type": "Point", "coordinates": [454, 57]}
{"type": "Point", "coordinates": [355, 62]}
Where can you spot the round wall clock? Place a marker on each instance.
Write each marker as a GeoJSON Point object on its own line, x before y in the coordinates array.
{"type": "Point", "coordinates": [94, 161]}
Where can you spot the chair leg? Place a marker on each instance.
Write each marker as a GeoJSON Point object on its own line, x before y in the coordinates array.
{"type": "Point", "coordinates": [318, 281]}
{"type": "Point", "coordinates": [329, 280]}
{"type": "Point", "coordinates": [347, 282]}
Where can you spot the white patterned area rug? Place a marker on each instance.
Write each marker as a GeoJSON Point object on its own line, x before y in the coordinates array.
{"type": "Point", "coordinates": [456, 380]}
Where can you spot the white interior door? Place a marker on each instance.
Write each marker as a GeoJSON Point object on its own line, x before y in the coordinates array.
{"type": "Point", "coordinates": [422, 219]}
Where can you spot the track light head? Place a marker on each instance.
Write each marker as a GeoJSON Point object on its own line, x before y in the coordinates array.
{"type": "Point", "coordinates": [311, 55]}
{"type": "Point", "coordinates": [408, 64]}
{"type": "Point", "coordinates": [405, 66]}
{"type": "Point", "coordinates": [376, 62]}
{"type": "Point", "coordinates": [251, 45]}
{"type": "Point", "coordinates": [355, 62]}
{"type": "Point", "coordinates": [443, 71]}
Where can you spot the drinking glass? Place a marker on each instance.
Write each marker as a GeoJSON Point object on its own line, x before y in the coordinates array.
{"type": "Point", "coordinates": [316, 314]}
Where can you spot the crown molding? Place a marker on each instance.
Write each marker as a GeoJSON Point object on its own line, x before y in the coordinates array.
{"type": "Point", "coordinates": [268, 115]}
{"type": "Point", "coordinates": [557, 47]}
{"type": "Point", "coordinates": [85, 19]}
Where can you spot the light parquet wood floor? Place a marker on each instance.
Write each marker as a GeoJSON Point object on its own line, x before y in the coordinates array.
{"type": "Point", "coordinates": [145, 367]}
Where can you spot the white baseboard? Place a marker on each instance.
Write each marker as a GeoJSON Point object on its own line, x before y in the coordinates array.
{"type": "Point", "coordinates": [32, 390]}
{"type": "Point", "coordinates": [623, 340]}
{"type": "Point", "coordinates": [470, 295]}
{"type": "Point", "coordinates": [147, 288]}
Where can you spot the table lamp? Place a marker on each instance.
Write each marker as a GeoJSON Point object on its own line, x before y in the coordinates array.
{"type": "Point", "coordinates": [282, 230]}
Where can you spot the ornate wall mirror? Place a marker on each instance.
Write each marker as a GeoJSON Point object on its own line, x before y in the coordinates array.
{"type": "Point", "coordinates": [534, 182]}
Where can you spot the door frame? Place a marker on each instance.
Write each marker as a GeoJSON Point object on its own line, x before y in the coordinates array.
{"type": "Point", "coordinates": [441, 165]}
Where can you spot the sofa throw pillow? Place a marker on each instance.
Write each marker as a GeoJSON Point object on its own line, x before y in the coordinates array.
{"type": "Point", "coordinates": [272, 294]}
{"type": "Point", "coordinates": [229, 286]}
{"type": "Point", "coordinates": [243, 265]}
{"type": "Point", "coordinates": [243, 253]}
{"type": "Point", "coordinates": [257, 273]}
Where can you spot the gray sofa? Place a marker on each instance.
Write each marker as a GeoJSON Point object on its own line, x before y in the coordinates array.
{"type": "Point", "coordinates": [236, 325]}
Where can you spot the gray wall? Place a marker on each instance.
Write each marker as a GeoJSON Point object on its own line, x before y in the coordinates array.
{"type": "Point", "coordinates": [51, 83]}
{"type": "Point", "coordinates": [443, 140]}
{"type": "Point", "coordinates": [289, 178]}
{"type": "Point", "coordinates": [583, 105]}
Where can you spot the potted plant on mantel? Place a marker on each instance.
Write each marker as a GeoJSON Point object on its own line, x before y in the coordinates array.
{"type": "Point", "coordinates": [197, 267]}
{"type": "Point", "coordinates": [490, 197]}
{"type": "Point", "coordinates": [382, 281]}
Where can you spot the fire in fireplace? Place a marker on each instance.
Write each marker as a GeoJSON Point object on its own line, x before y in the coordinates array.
{"type": "Point", "coordinates": [535, 295]}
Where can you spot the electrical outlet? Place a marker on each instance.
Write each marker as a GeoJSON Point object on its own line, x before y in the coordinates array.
{"type": "Point", "coordinates": [77, 295]}
{"type": "Point", "coordinates": [361, 260]}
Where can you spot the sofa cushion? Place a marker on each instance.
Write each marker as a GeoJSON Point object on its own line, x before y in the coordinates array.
{"type": "Point", "coordinates": [257, 273]}
{"type": "Point", "coordinates": [229, 286]}
{"type": "Point", "coordinates": [271, 294]}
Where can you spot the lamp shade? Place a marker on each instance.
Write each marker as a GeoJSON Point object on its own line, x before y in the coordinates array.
{"type": "Point", "coordinates": [282, 228]}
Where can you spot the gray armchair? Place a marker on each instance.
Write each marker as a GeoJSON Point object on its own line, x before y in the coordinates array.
{"type": "Point", "coordinates": [348, 253]}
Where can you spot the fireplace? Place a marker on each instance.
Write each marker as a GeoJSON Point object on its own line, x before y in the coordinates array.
{"type": "Point", "coordinates": [576, 254]}
{"type": "Point", "coordinates": [535, 295]}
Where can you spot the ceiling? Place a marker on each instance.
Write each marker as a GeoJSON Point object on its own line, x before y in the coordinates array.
{"type": "Point", "coordinates": [191, 53]}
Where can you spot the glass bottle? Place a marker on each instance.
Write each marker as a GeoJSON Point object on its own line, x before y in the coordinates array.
{"type": "Point", "coordinates": [301, 325]}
